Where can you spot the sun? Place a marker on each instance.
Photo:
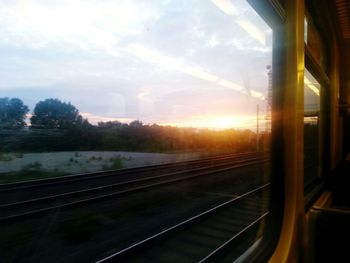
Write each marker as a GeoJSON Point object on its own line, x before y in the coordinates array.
{"type": "Point", "coordinates": [223, 122]}
{"type": "Point", "coordinates": [227, 122]}
{"type": "Point", "coordinates": [216, 122]}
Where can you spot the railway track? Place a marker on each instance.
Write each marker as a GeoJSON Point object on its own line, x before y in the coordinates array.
{"type": "Point", "coordinates": [123, 217]}
{"type": "Point", "coordinates": [88, 195]}
{"type": "Point", "coordinates": [219, 234]}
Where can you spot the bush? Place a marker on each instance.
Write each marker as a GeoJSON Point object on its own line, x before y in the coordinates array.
{"type": "Point", "coordinates": [116, 162]}
{"type": "Point", "coordinates": [5, 157]}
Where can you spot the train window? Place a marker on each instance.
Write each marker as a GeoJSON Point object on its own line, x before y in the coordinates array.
{"type": "Point", "coordinates": [135, 129]}
{"type": "Point", "coordinates": [312, 91]}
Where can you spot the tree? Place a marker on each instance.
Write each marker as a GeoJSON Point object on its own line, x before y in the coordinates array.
{"type": "Point", "coordinates": [55, 114]}
{"type": "Point", "coordinates": [12, 113]}
{"type": "Point", "coordinates": [136, 124]}
{"type": "Point", "coordinates": [109, 124]}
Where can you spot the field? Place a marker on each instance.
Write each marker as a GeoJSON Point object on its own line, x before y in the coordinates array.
{"type": "Point", "coordinates": [26, 166]}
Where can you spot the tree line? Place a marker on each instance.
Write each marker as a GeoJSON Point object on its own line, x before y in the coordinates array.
{"type": "Point", "coordinates": [47, 114]}
{"type": "Point", "coordinates": [58, 126]}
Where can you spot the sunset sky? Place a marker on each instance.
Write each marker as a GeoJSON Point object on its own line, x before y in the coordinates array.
{"type": "Point", "coordinates": [181, 62]}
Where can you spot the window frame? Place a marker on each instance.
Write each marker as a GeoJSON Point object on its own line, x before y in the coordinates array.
{"type": "Point", "coordinates": [274, 15]}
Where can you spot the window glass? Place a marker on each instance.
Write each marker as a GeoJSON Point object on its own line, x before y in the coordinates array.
{"type": "Point", "coordinates": [311, 131]}
{"type": "Point", "coordinates": [144, 114]}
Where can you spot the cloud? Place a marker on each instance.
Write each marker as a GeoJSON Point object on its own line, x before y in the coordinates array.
{"type": "Point", "coordinates": [160, 60]}
{"type": "Point", "coordinates": [154, 61]}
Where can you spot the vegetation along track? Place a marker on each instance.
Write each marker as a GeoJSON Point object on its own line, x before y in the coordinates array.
{"type": "Point", "coordinates": [88, 194]}
{"type": "Point", "coordinates": [219, 234]}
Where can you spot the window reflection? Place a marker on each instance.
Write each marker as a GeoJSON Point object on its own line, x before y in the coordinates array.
{"type": "Point", "coordinates": [311, 130]}
{"type": "Point", "coordinates": [199, 66]}
{"type": "Point", "coordinates": [92, 86]}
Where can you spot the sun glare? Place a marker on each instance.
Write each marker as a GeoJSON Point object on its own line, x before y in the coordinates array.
{"type": "Point", "coordinates": [223, 122]}
{"type": "Point", "coordinates": [216, 122]}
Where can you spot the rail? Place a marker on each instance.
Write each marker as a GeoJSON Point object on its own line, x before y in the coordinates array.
{"type": "Point", "coordinates": [123, 254]}
{"type": "Point", "coordinates": [46, 204]}
{"type": "Point", "coordinates": [211, 257]}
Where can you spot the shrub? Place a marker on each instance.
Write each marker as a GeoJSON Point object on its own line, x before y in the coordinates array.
{"type": "Point", "coordinates": [5, 157]}
{"type": "Point", "coordinates": [116, 162]}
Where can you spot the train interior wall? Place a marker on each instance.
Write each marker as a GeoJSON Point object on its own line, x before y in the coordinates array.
{"type": "Point", "coordinates": [338, 176]}
{"type": "Point", "coordinates": [329, 217]}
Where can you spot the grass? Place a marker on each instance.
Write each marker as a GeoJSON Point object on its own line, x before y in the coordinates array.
{"type": "Point", "coordinates": [72, 160]}
{"type": "Point", "coordinates": [35, 169]}
{"type": "Point", "coordinates": [18, 155]}
{"type": "Point", "coordinates": [5, 157]}
{"type": "Point", "coordinates": [94, 158]}
{"type": "Point", "coordinates": [116, 162]}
